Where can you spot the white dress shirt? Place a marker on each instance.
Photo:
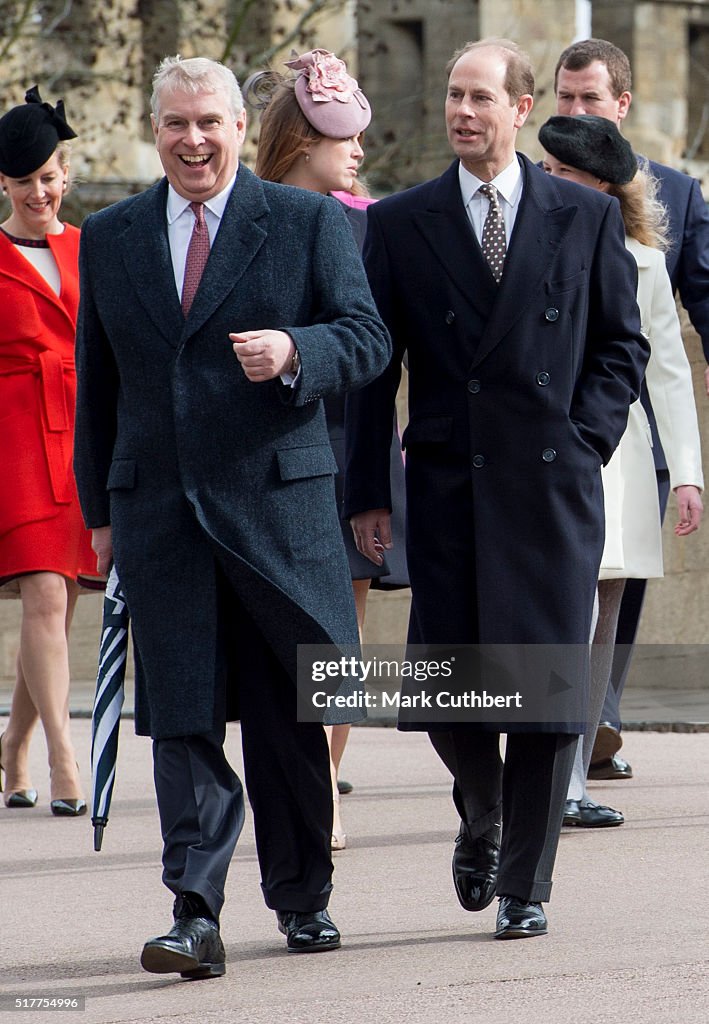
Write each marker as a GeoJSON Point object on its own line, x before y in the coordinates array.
{"type": "Point", "coordinates": [180, 223]}
{"type": "Point", "coordinates": [509, 189]}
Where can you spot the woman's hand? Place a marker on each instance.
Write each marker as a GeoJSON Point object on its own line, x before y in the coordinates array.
{"type": "Point", "coordinates": [690, 508]}
{"type": "Point", "coordinates": [372, 533]}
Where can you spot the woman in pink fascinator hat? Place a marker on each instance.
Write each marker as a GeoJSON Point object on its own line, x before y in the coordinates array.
{"type": "Point", "coordinates": [312, 128]}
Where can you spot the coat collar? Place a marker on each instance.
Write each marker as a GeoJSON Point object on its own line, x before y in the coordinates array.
{"type": "Point", "coordinates": [643, 254]}
{"type": "Point", "coordinates": [146, 254]}
{"type": "Point", "coordinates": [541, 224]}
{"type": "Point", "coordinates": [15, 267]}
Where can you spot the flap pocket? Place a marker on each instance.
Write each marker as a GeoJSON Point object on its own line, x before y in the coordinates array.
{"type": "Point", "coordinates": [121, 475]}
{"type": "Point", "coordinates": [567, 284]}
{"type": "Point", "coordinates": [432, 430]}
{"type": "Point", "coordinates": [313, 460]}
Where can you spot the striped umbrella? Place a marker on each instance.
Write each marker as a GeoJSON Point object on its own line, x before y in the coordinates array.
{"type": "Point", "coordinates": [108, 702]}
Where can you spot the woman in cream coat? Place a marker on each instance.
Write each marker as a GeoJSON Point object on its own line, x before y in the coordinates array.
{"type": "Point", "coordinates": [591, 151]}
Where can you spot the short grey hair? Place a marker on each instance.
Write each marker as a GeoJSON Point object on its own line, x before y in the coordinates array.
{"type": "Point", "coordinates": [195, 75]}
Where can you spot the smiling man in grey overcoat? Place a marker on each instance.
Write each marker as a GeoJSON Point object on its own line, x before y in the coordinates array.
{"type": "Point", "coordinates": [204, 469]}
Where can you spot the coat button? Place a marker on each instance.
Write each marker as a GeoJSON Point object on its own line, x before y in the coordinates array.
{"type": "Point", "coordinates": [473, 386]}
{"type": "Point", "coordinates": [543, 378]}
{"type": "Point", "coordinates": [548, 454]}
{"type": "Point", "coordinates": [478, 461]}
{"type": "Point", "coordinates": [450, 316]}
{"type": "Point", "coordinates": [551, 314]}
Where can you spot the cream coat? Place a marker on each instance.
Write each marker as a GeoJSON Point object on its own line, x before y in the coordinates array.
{"type": "Point", "coordinates": [633, 545]}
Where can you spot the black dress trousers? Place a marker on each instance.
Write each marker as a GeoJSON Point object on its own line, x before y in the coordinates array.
{"type": "Point", "coordinates": [287, 777]}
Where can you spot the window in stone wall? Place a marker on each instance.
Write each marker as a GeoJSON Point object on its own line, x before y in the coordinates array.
{"type": "Point", "coordinates": [698, 94]}
{"type": "Point", "coordinates": [160, 21]}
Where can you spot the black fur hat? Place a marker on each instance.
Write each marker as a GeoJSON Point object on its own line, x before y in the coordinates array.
{"type": "Point", "coordinates": [591, 144]}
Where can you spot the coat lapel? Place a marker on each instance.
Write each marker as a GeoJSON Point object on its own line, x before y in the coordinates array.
{"type": "Point", "coordinates": [241, 234]}
{"type": "Point", "coordinates": [445, 226]}
{"type": "Point", "coordinates": [146, 254]}
{"type": "Point", "coordinates": [15, 267]}
{"type": "Point", "coordinates": [540, 227]}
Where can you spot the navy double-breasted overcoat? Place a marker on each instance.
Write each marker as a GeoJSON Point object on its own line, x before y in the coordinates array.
{"type": "Point", "coordinates": [517, 395]}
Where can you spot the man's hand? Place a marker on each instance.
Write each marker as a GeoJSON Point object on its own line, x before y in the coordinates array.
{"type": "Point", "coordinates": [102, 543]}
{"type": "Point", "coordinates": [263, 354]}
{"type": "Point", "coordinates": [706, 379]}
{"type": "Point", "coordinates": [372, 533]}
{"type": "Point", "coordinates": [690, 508]}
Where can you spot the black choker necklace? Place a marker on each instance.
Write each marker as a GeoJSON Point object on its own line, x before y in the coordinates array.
{"type": "Point", "coordinates": [30, 243]}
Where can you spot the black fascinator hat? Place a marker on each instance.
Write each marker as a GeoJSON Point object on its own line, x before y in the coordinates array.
{"type": "Point", "coordinates": [29, 134]}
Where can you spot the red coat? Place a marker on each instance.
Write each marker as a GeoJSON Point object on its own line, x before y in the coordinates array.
{"type": "Point", "coordinates": [40, 521]}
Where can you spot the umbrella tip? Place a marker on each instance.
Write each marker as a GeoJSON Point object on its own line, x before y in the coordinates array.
{"type": "Point", "coordinates": [98, 837]}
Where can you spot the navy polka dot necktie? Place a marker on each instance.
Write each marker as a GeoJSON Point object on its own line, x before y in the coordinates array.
{"type": "Point", "coordinates": [494, 240]}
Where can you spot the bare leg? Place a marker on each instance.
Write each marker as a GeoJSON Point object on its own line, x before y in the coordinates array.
{"type": "Point", "coordinates": [337, 734]}
{"type": "Point", "coordinates": [42, 687]}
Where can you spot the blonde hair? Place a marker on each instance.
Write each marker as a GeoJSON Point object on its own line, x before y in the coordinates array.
{"type": "Point", "coordinates": [644, 216]}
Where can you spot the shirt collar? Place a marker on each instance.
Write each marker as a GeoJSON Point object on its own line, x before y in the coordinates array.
{"type": "Point", "coordinates": [177, 204]}
{"type": "Point", "coordinates": [508, 183]}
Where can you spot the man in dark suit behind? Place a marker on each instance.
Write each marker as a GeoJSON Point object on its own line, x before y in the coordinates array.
{"type": "Point", "coordinates": [205, 472]}
{"type": "Point", "coordinates": [593, 76]}
{"type": "Point", "coordinates": [518, 392]}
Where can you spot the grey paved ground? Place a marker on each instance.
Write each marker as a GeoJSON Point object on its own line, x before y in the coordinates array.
{"type": "Point", "coordinates": [628, 941]}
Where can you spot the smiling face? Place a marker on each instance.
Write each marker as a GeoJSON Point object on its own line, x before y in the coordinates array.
{"type": "Point", "coordinates": [198, 139]}
{"type": "Point", "coordinates": [481, 119]}
{"type": "Point", "coordinates": [35, 200]}
{"type": "Point", "coordinates": [589, 91]}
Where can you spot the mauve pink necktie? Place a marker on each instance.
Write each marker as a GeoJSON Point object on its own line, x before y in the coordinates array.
{"type": "Point", "coordinates": [197, 256]}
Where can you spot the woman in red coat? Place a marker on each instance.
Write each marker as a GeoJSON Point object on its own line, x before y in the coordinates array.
{"type": "Point", "coordinates": [45, 552]}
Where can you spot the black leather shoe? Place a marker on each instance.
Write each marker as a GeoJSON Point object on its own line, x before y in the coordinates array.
{"type": "Point", "coordinates": [193, 946]}
{"type": "Point", "coordinates": [590, 815]}
{"type": "Point", "coordinates": [312, 932]}
{"type": "Point", "coordinates": [475, 864]}
{"type": "Point", "coordinates": [517, 919]}
{"type": "Point", "coordinates": [612, 768]}
{"type": "Point", "coordinates": [344, 787]}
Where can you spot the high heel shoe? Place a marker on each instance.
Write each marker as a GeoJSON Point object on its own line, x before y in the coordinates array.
{"type": "Point", "coordinates": [18, 797]}
{"type": "Point", "coordinates": [338, 838]}
{"type": "Point", "coordinates": [72, 807]}
{"type": "Point", "coordinates": [68, 808]}
{"type": "Point", "coordinates": [338, 841]}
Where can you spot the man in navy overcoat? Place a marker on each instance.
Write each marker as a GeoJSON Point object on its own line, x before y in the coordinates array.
{"type": "Point", "coordinates": [204, 470]}
{"type": "Point", "coordinates": [518, 392]}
